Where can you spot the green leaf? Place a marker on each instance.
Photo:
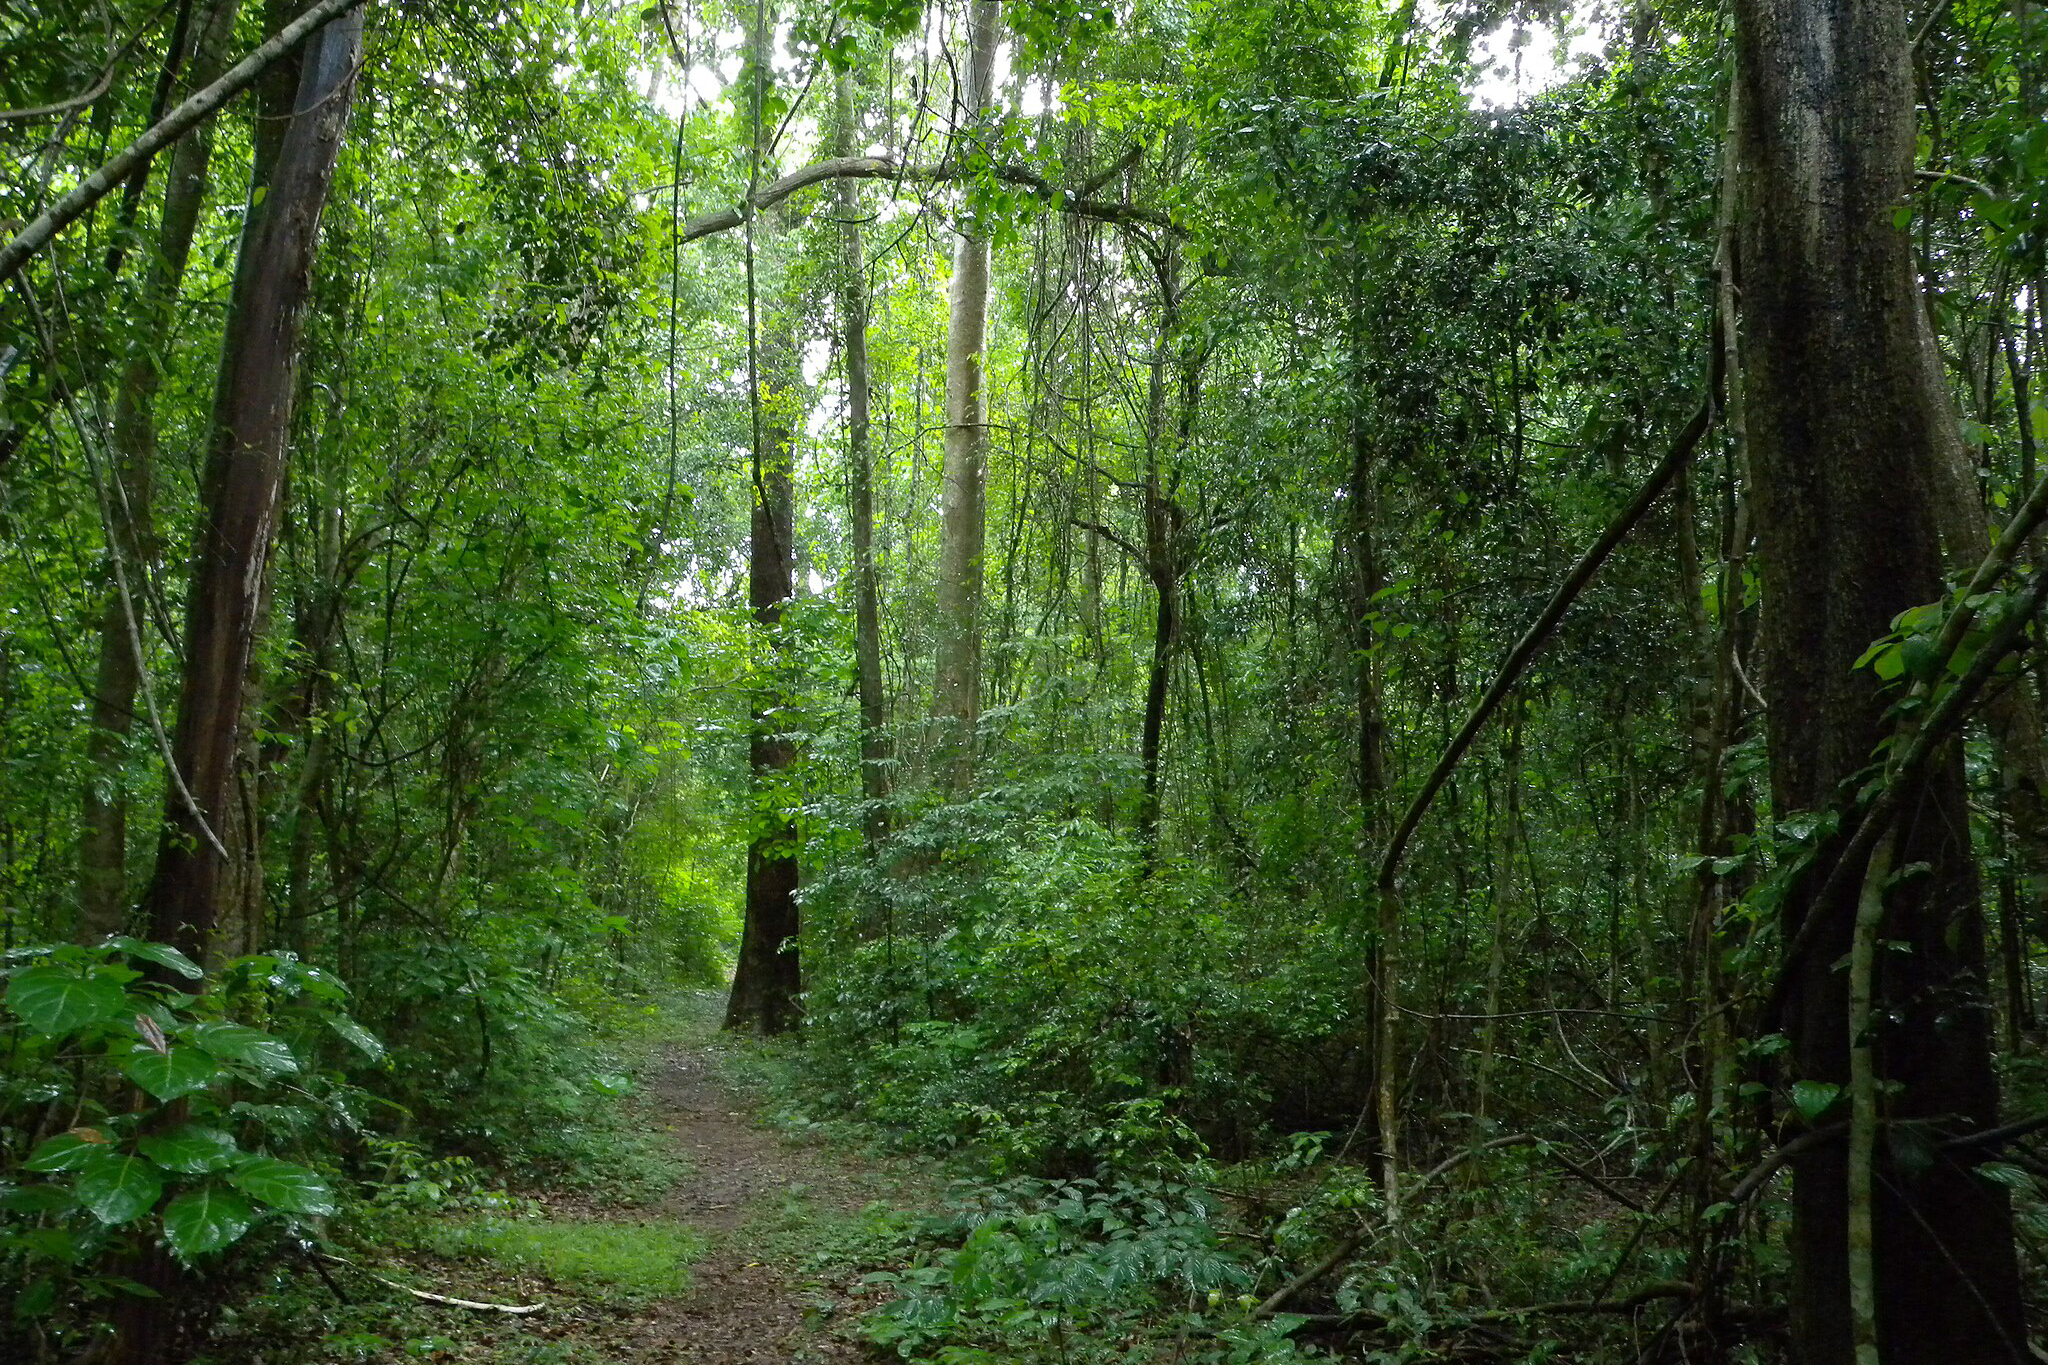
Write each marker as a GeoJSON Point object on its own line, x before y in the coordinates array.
{"type": "Point", "coordinates": [250, 1046]}
{"type": "Point", "coordinates": [282, 1185]}
{"type": "Point", "coordinates": [364, 1040]}
{"type": "Point", "coordinates": [167, 1075]}
{"type": "Point", "coordinates": [205, 1219]}
{"type": "Point", "coordinates": [1814, 1098]}
{"type": "Point", "coordinates": [119, 1187]}
{"type": "Point", "coordinates": [55, 1000]}
{"type": "Point", "coordinates": [191, 1148]}
{"type": "Point", "coordinates": [35, 1199]}
{"type": "Point", "coordinates": [66, 1151]}
{"type": "Point", "coordinates": [160, 953]}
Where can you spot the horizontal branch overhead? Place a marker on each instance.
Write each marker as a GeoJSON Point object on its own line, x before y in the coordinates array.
{"type": "Point", "coordinates": [886, 168]}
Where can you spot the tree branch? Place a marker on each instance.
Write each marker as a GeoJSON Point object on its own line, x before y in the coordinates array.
{"type": "Point", "coordinates": [203, 104]}
{"type": "Point", "coordinates": [886, 168]}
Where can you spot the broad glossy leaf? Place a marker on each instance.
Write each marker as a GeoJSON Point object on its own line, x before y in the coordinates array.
{"type": "Point", "coordinates": [163, 954]}
{"type": "Point", "coordinates": [119, 1187]}
{"type": "Point", "coordinates": [191, 1148]}
{"type": "Point", "coordinates": [206, 1219]}
{"type": "Point", "coordinates": [66, 1151]}
{"type": "Point", "coordinates": [282, 1185]}
{"type": "Point", "coordinates": [57, 1000]}
{"type": "Point", "coordinates": [250, 1046]}
{"type": "Point", "coordinates": [167, 1075]}
{"type": "Point", "coordinates": [365, 1041]}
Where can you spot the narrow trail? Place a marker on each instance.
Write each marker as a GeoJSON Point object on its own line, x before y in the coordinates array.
{"type": "Point", "coordinates": [745, 1304]}
{"type": "Point", "coordinates": [774, 1213]}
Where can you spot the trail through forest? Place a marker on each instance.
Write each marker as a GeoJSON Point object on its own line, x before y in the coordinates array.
{"type": "Point", "coordinates": [744, 1303]}
{"type": "Point", "coordinates": [778, 1219]}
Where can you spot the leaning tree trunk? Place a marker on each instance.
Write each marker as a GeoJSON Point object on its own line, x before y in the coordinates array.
{"type": "Point", "coordinates": [956, 686]}
{"type": "Point", "coordinates": [240, 491]}
{"type": "Point", "coordinates": [1846, 452]}
{"type": "Point", "coordinates": [103, 840]}
{"type": "Point", "coordinates": [767, 983]}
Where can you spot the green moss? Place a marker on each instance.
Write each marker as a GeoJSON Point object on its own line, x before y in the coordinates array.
{"type": "Point", "coordinates": [635, 1260]}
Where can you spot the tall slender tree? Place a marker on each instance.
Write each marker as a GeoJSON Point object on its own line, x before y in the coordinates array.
{"type": "Point", "coordinates": [956, 689]}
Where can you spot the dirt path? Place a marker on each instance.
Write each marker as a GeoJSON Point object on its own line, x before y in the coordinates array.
{"type": "Point", "coordinates": [746, 1302]}
{"type": "Point", "coordinates": [779, 1218]}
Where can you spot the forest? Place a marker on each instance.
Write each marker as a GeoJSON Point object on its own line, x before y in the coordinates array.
{"type": "Point", "coordinates": [1093, 681]}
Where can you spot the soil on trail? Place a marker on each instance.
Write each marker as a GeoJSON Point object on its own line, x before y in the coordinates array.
{"type": "Point", "coordinates": [745, 1303]}
{"type": "Point", "coordinates": [779, 1218]}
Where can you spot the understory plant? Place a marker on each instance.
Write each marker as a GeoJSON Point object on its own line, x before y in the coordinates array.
{"type": "Point", "coordinates": [147, 1104]}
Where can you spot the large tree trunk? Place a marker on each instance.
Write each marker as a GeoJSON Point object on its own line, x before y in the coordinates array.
{"type": "Point", "coordinates": [956, 687]}
{"type": "Point", "coordinates": [103, 842]}
{"type": "Point", "coordinates": [243, 480]}
{"type": "Point", "coordinates": [767, 984]}
{"type": "Point", "coordinates": [1845, 447]}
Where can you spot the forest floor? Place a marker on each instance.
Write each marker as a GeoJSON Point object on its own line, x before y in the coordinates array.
{"type": "Point", "coordinates": [753, 1254]}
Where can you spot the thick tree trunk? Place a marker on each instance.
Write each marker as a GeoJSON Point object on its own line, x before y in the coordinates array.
{"type": "Point", "coordinates": [956, 687]}
{"type": "Point", "coordinates": [243, 480]}
{"type": "Point", "coordinates": [103, 841]}
{"type": "Point", "coordinates": [767, 984]}
{"type": "Point", "coordinates": [1844, 443]}
{"type": "Point", "coordinates": [769, 981]}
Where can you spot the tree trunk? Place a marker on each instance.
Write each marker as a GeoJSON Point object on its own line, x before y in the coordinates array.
{"type": "Point", "coordinates": [956, 688]}
{"type": "Point", "coordinates": [867, 614]}
{"type": "Point", "coordinates": [103, 841]}
{"type": "Point", "coordinates": [768, 983]}
{"type": "Point", "coordinates": [1845, 447]}
{"type": "Point", "coordinates": [243, 479]}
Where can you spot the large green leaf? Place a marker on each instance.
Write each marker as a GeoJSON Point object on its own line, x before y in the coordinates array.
{"type": "Point", "coordinates": [250, 1046]}
{"type": "Point", "coordinates": [364, 1040]}
{"type": "Point", "coordinates": [1814, 1098]}
{"type": "Point", "coordinates": [58, 1000]}
{"type": "Point", "coordinates": [282, 1185]}
{"type": "Point", "coordinates": [66, 1151]}
{"type": "Point", "coordinates": [191, 1148]}
{"type": "Point", "coordinates": [119, 1187]}
{"type": "Point", "coordinates": [205, 1219]}
{"type": "Point", "coordinates": [167, 1075]}
{"type": "Point", "coordinates": [163, 954]}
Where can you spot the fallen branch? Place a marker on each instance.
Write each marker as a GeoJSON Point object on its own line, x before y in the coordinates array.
{"type": "Point", "coordinates": [515, 1309]}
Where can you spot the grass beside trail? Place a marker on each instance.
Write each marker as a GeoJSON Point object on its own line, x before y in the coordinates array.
{"type": "Point", "coordinates": [637, 1260]}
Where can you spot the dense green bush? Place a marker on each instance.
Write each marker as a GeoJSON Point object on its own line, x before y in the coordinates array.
{"type": "Point", "coordinates": [137, 1111]}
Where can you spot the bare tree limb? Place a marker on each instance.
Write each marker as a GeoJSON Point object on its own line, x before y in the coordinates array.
{"type": "Point", "coordinates": [887, 168]}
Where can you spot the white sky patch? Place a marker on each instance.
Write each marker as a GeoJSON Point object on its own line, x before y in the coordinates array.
{"type": "Point", "coordinates": [1514, 62]}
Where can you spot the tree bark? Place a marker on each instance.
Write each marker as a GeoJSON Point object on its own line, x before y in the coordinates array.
{"type": "Point", "coordinates": [767, 984]}
{"type": "Point", "coordinates": [103, 841]}
{"type": "Point", "coordinates": [956, 689]}
{"type": "Point", "coordinates": [867, 613]}
{"type": "Point", "coordinates": [1845, 448]}
{"type": "Point", "coordinates": [243, 479]}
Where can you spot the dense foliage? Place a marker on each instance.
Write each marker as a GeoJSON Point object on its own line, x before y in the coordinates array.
{"type": "Point", "coordinates": [622, 561]}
